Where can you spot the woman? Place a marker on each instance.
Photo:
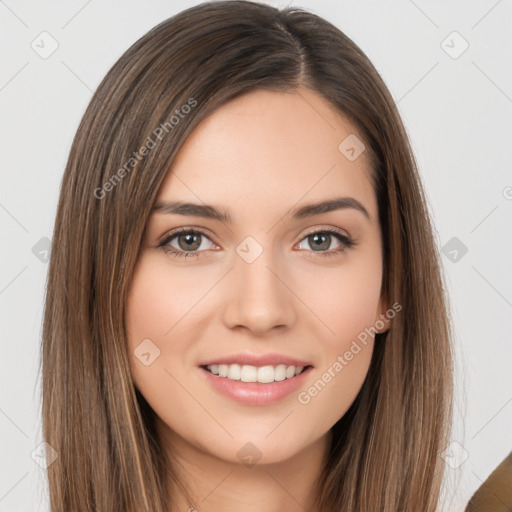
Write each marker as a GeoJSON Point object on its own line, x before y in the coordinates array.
{"type": "Point", "coordinates": [245, 308]}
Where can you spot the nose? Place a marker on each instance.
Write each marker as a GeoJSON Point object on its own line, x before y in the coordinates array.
{"type": "Point", "coordinates": [259, 297]}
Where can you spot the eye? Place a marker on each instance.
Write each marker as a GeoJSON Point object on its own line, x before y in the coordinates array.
{"type": "Point", "coordinates": [187, 240]}
{"type": "Point", "coordinates": [321, 239]}
{"type": "Point", "coordinates": [190, 242]}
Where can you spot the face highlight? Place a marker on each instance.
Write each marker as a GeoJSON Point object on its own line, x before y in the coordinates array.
{"type": "Point", "coordinates": [250, 271]}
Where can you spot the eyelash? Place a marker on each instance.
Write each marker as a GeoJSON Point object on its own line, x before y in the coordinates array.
{"type": "Point", "coordinates": [346, 242]}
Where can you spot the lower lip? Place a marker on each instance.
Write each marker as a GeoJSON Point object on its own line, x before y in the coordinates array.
{"type": "Point", "coordinates": [255, 393]}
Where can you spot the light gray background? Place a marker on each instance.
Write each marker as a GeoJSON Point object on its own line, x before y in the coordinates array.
{"type": "Point", "coordinates": [458, 115]}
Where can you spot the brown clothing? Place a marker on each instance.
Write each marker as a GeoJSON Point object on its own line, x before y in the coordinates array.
{"type": "Point", "coordinates": [495, 494]}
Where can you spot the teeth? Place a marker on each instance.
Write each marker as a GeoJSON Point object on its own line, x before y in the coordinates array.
{"type": "Point", "coordinates": [262, 374]}
{"type": "Point", "coordinates": [234, 371]}
{"type": "Point", "coordinates": [248, 374]}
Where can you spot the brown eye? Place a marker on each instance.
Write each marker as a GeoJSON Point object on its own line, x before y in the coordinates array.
{"type": "Point", "coordinates": [186, 243]}
{"type": "Point", "coordinates": [189, 242]}
{"type": "Point", "coordinates": [320, 242]}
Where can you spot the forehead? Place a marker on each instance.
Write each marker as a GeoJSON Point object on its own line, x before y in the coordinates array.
{"type": "Point", "coordinates": [266, 149]}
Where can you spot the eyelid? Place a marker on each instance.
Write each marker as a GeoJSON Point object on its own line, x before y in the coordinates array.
{"type": "Point", "coordinates": [183, 229]}
{"type": "Point", "coordinates": [205, 232]}
{"type": "Point", "coordinates": [327, 228]}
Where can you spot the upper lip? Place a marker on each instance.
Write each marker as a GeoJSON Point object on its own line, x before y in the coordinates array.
{"type": "Point", "coordinates": [257, 360]}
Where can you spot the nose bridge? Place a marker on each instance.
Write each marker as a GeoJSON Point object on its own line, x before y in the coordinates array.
{"type": "Point", "coordinates": [259, 299]}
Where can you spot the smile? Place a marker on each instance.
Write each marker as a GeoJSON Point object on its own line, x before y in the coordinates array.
{"type": "Point", "coordinates": [255, 385]}
{"type": "Point", "coordinates": [262, 374]}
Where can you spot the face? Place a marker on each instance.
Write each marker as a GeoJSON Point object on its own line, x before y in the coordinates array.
{"type": "Point", "coordinates": [269, 288]}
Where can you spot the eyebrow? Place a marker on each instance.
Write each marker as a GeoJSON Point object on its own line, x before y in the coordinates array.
{"type": "Point", "coordinates": [209, 211]}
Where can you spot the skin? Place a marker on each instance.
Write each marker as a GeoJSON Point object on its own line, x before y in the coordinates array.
{"type": "Point", "coordinates": [259, 156]}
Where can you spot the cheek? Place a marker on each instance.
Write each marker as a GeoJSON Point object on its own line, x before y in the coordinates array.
{"type": "Point", "coordinates": [161, 301]}
{"type": "Point", "coordinates": [334, 387]}
{"type": "Point", "coordinates": [157, 306]}
{"type": "Point", "coordinates": [345, 299]}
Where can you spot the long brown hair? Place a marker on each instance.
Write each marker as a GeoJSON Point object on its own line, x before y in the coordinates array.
{"type": "Point", "coordinates": [385, 452]}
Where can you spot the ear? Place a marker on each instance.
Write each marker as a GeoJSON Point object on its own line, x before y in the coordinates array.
{"type": "Point", "coordinates": [382, 318]}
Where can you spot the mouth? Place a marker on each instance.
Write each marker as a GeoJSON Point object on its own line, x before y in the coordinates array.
{"type": "Point", "coordinates": [255, 385]}
{"type": "Point", "coordinates": [259, 374]}
{"type": "Point", "coordinates": [256, 379]}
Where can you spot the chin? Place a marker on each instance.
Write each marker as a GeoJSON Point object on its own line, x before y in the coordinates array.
{"type": "Point", "coordinates": [261, 451]}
